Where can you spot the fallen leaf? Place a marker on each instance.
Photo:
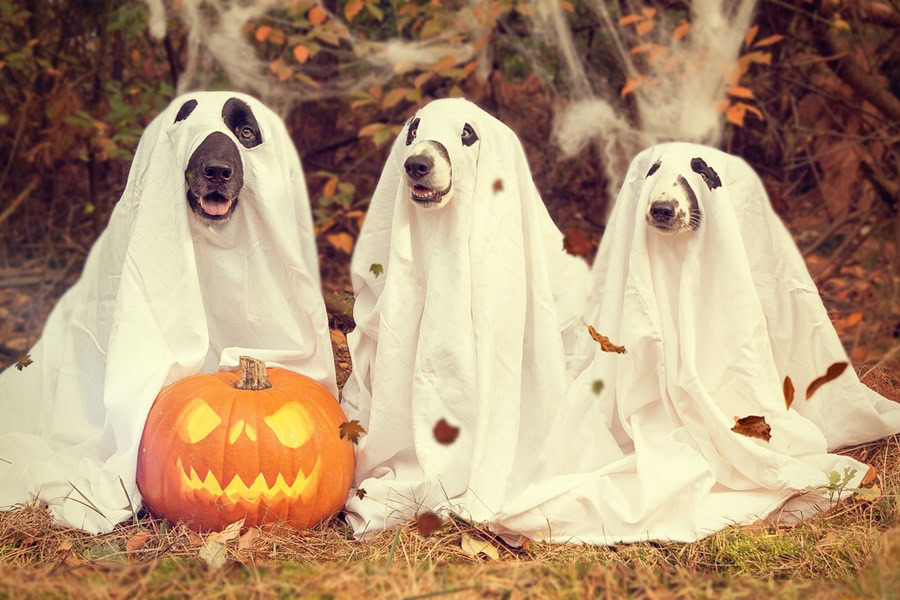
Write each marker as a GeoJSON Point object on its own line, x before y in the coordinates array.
{"type": "Point", "coordinates": [360, 493]}
{"type": "Point", "coordinates": [251, 535]}
{"type": "Point", "coordinates": [428, 523]}
{"type": "Point", "coordinates": [833, 372]}
{"type": "Point", "coordinates": [605, 344]}
{"type": "Point", "coordinates": [137, 541]}
{"type": "Point", "coordinates": [870, 476]}
{"type": "Point", "coordinates": [64, 546]}
{"type": "Point", "coordinates": [262, 32]}
{"type": "Point", "coordinates": [597, 387]}
{"type": "Point", "coordinates": [498, 186]}
{"type": "Point", "coordinates": [644, 27]}
{"type": "Point", "coordinates": [681, 31]}
{"type": "Point", "coordinates": [576, 242]}
{"type": "Point", "coordinates": [352, 8]}
{"type": "Point", "coordinates": [870, 494]}
{"type": "Point", "coordinates": [445, 433]}
{"type": "Point", "coordinates": [351, 430]}
{"type": "Point", "coordinates": [752, 426]}
{"type": "Point", "coordinates": [301, 53]}
{"type": "Point", "coordinates": [24, 361]}
{"type": "Point", "coordinates": [230, 532]}
{"type": "Point", "coordinates": [316, 15]}
{"type": "Point", "coordinates": [377, 269]}
{"type": "Point", "coordinates": [853, 319]}
{"type": "Point", "coordinates": [338, 337]}
{"type": "Point", "coordinates": [474, 547]}
{"type": "Point", "coordinates": [371, 129]}
{"type": "Point", "coordinates": [341, 241]}
{"type": "Point", "coordinates": [788, 389]}
{"type": "Point", "coordinates": [214, 554]}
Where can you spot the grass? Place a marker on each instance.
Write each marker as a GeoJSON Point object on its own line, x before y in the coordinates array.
{"type": "Point", "coordinates": [851, 550]}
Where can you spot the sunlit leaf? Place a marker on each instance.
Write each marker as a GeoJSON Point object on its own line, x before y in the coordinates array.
{"type": "Point", "coordinates": [644, 27]}
{"type": "Point", "coordinates": [629, 19]}
{"type": "Point", "coordinates": [352, 8]}
{"type": "Point", "coordinates": [740, 92]}
{"type": "Point", "coordinates": [648, 11]}
{"type": "Point", "coordinates": [735, 113]}
{"type": "Point", "coordinates": [751, 35]}
{"type": "Point", "coordinates": [475, 547]}
{"type": "Point", "coordinates": [393, 97]}
{"type": "Point", "coordinates": [316, 15]}
{"type": "Point", "coordinates": [301, 53]}
{"type": "Point", "coordinates": [341, 241]}
{"type": "Point", "coordinates": [630, 86]}
{"type": "Point", "coordinates": [262, 32]}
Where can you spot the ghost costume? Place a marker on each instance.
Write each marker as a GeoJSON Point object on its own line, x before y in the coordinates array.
{"type": "Point", "coordinates": [162, 296]}
{"type": "Point", "coordinates": [713, 320]}
{"type": "Point", "coordinates": [462, 315]}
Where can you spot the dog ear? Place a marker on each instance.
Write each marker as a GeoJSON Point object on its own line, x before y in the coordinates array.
{"type": "Point", "coordinates": [709, 175]}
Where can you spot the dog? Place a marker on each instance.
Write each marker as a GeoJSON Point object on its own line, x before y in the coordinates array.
{"type": "Point", "coordinates": [673, 206]}
{"type": "Point", "coordinates": [428, 167]}
{"type": "Point", "coordinates": [214, 174]}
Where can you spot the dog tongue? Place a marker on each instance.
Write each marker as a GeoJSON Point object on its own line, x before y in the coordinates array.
{"type": "Point", "coordinates": [215, 207]}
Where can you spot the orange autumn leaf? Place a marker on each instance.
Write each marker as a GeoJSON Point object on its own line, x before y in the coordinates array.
{"type": "Point", "coordinates": [754, 427]}
{"type": "Point", "coordinates": [649, 12]}
{"type": "Point", "coordinates": [567, 6]}
{"type": "Point", "coordinates": [833, 372]}
{"type": "Point", "coordinates": [751, 35]}
{"type": "Point", "coordinates": [262, 32]}
{"type": "Point", "coordinates": [605, 344]}
{"type": "Point", "coordinates": [352, 8]}
{"type": "Point", "coordinates": [629, 19]}
{"type": "Point", "coordinates": [853, 319]}
{"type": "Point", "coordinates": [735, 113]}
{"type": "Point", "coordinates": [316, 15]}
{"type": "Point", "coordinates": [301, 53]}
{"type": "Point", "coordinates": [740, 92]}
{"type": "Point", "coordinates": [341, 241]}
{"type": "Point", "coordinates": [644, 27]}
{"type": "Point", "coordinates": [330, 187]}
{"type": "Point", "coordinates": [630, 86]}
{"type": "Point", "coordinates": [772, 39]}
{"type": "Point", "coordinates": [681, 31]}
{"type": "Point", "coordinates": [276, 36]}
{"type": "Point", "coordinates": [393, 97]}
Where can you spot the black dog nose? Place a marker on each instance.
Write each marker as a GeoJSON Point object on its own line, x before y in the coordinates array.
{"type": "Point", "coordinates": [217, 171]}
{"type": "Point", "coordinates": [418, 166]}
{"type": "Point", "coordinates": [662, 211]}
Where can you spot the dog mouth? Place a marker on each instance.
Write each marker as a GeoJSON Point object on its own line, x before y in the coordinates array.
{"type": "Point", "coordinates": [422, 194]}
{"type": "Point", "coordinates": [214, 206]}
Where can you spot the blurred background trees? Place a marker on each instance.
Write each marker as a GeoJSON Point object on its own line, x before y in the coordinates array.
{"type": "Point", "coordinates": [809, 95]}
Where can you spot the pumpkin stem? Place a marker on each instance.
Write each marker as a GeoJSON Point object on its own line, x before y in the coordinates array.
{"type": "Point", "coordinates": [252, 374]}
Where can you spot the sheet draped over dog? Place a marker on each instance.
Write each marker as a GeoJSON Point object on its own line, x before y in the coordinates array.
{"type": "Point", "coordinates": [465, 324]}
{"type": "Point", "coordinates": [712, 320]}
{"type": "Point", "coordinates": [162, 296]}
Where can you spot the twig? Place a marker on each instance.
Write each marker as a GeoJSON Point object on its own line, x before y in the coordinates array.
{"type": "Point", "coordinates": [18, 200]}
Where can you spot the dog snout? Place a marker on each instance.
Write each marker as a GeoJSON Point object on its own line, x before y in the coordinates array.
{"type": "Point", "coordinates": [216, 170]}
{"type": "Point", "coordinates": [418, 166]}
{"type": "Point", "coordinates": [662, 211]}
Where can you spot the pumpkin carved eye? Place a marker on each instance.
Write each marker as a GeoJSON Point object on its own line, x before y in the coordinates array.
{"type": "Point", "coordinates": [290, 424]}
{"type": "Point", "coordinates": [196, 421]}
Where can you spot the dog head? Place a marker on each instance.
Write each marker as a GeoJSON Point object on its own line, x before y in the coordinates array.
{"type": "Point", "coordinates": [672, 207]}
{"type": "Point", "coordinates": [214, 173]}
{"type": "Point", "coordinates": [441, 149]}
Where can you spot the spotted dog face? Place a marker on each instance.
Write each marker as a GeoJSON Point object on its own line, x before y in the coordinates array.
{"type": "Point", "coordinates": [214, 173]}
{"type": "Point", "coordinates": [428, 168]}
{"type": "Point", "coordinates": [673, 206]}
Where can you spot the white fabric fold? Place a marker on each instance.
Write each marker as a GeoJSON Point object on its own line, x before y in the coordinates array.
{"type": "Point", "coordinates": [713, 320]}
{"type": "Point", "coordinates": [467, 323]}
{"type": "Point", "coordinates": [162, 296]}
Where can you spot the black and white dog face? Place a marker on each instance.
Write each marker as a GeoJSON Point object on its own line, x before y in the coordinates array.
{"type": "Point", "coordinates": [673, 207]}
{"type": "Point", "coordinates": [214, 173]}
{"type": "Point", "coordinates": [435, 140]}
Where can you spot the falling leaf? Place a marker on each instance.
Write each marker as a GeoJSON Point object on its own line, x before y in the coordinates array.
{"type": "Point", "coordinates": [681, 31]}
{"type": "Point", "coordinates": [752, 426]}
{"type": "Point", "coordinates": [351, 430]}
{"type": "Point", "coordinates": [229, 533]}
{"type": "Point", "coordinates": [475, 547]}
{"type": "Point", "coordinates": [751, 35]}
{"type": "Point", "coordinates": [214, 554]}
{"type": "Point", "coordinates": [341, 241]}
{"type": "Point", "coordinates": [360, 493]}
{"type": "Point", "coordinates": [376, 269]}
{"type": "Point", "coordinates": [262, 32]}
{"type": "Point", "coordinates": [498, 186]}
{"type": "Point", "coordinates": [137, 541]}
{"type": "Point", "coordinates": [605, 344]}
{"type": "Point", "coordinates": [833, 372]}
{"type": "Point", "coordinates": [788, 389]}
{"type": "Point", "coordinates": [301, 53]}
{"type": "Point", "coordinates": [23, 361]}
{"type": "Point", "coordinates": [251, 535]}
{"type": "Point", "coordinates": [352, 8]}
{"type": "Point", "coordinates": [597, 386]}
{"type": "Point", "coordinates": [445, 433]}
{"type": "Point", "coordinates": [577, 242]}
{"type": "Point", "coordinates": [772, 39]}
{"type": "Point", "coordinates": [428, 523]}
{"type": "Point", "coordinates": [316, 15]}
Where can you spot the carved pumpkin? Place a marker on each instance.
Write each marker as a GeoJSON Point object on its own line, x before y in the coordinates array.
{"type": "Point", "coordinates": [260, 444]}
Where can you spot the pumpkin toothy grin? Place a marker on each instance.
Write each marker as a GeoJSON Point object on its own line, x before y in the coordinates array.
{"type": "Point", "coordinates": [303, 486]}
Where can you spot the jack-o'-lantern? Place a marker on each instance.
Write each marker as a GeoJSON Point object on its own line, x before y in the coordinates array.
{"type": "Point", "coordinates": [259, 444]}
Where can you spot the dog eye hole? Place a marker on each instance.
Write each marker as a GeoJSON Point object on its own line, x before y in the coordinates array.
{"type": "Point", "coordinates": [706, 172]}
{"type": "Point", "coordinates": [469, 136]}
{"type": "Point", "coordinates": [186, 109]}
{"type": "Point", "coordinates": [654, 168]}
{"type": "Point", "coordinates": [247, 133]}
{"type": "Point", "coordinates": [411, 132]}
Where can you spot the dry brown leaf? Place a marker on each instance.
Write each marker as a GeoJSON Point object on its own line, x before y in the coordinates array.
{"type": "Point", "coordinates": [137, 541]}
{"type": "Point", "coordinates": [428, 523]}
{"type": "Point", "coordinates": [338, 337]}
{"type": "Point", "coordinates": [498, 186]}
{"type": "Point", "coordinates": [605, 344]}
{"type": "Point", "coordinates": [474, 547]}
{"type": "Point", "coordinates": [360, 493]}
{"type": "Point", "coordinates": [351, 430]}
{"type": "Point", "coordinates": [576, 242]}
{"type": "Point", "coordinates": [229, 533]}
{"type": "Point", "coordinates": [869, 477]}
{"type": "Point", "coordinates": [64, 546]}
{"type": "Point", "coordinates": [833, 372]}
{"type": "Point", "coordinates": [788, 389]}
{"type": "Point", "coordinates": [23, 362]}
{"type": "Point", "coordinates": [251, 535]}
{"type": "Point", "coordinates": [754, 427]}
{"type": "Point", "coordinates": [341, 241]}
{"type": "Point", "coordinates": [445, 433]}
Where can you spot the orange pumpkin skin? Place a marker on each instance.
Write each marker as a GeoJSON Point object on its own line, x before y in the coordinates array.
{"type": "Point", "coordinates": [212, 454]}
